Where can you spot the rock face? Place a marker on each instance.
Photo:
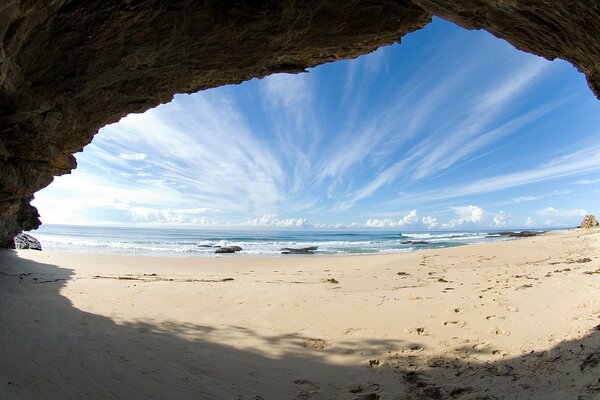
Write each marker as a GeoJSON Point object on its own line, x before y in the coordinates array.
{"type": "Point", "coordinates": [589, 221]}
{"type": "Point", "coordinates": [69, 67]}
{"type": "Point", "coordinates": [25, 241]}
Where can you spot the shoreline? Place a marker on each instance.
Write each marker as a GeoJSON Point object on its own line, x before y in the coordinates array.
{"type": "Point", "coordinates": [330, 245]}
{"type": "Point", "coordinates": [513, 316]}
{"type": "Point", "coordinates": [243, 256]}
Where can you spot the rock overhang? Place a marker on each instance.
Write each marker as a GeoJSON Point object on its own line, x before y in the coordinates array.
{"type": "Point", "coordinates": [68, 68]}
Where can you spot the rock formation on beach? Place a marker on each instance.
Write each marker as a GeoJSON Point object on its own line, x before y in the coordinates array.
{"type": "Point", "coordinates": [68, 68]}
{"type": "Point", "coordinates": [589, 221]}
{"type": "Point", "coordinates": [228, 249]}
{"type": "Point", "coordinates": [521, 234]}
{"type": "Point", "coordinates": [25, 241]}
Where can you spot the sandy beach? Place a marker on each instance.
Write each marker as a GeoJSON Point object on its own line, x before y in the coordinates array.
{"type": "Point", "coordinates": [518, 319]}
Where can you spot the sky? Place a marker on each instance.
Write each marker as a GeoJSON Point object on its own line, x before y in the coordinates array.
{"type": "Point", "coordinates": [452, 129]}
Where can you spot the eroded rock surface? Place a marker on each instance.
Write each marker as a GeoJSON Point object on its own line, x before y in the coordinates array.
{"type": "Point", "coordinates": [589, 221]}
{"type": "Point", "coordinates": [25, 241]}
{"type": "Point", "coordinates": [67, 68]}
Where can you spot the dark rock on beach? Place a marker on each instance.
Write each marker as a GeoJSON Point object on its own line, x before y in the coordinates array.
{"type": "Point", "coordinates": [25, 241]}
{"type": "Point", "coordinates": [520, 234]}
{"type": "Point", "coordinates": [228, 249]}
{"type": "Point", "coordinates": [302, 250]}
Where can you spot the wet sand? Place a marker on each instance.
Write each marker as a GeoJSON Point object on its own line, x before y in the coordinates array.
{"type": "Point", "coordinates": [518, 319]}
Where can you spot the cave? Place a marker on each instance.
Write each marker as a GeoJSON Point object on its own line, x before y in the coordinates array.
{"type": "Point", "coordinates": [68, 68]}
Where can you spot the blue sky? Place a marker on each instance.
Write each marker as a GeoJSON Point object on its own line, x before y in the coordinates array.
{"type": "Point", "coordinates": [452, 129]}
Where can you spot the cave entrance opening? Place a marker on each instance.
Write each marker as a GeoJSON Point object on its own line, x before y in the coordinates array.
{"type": "Point", "coordinates": [452, 129]}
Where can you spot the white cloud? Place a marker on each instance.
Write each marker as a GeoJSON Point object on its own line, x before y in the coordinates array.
{"type": "Point", "coordinates": [409, 219]}
{"type": "Point", "coordinates": [272, 220]}
{"type": "Point", "coordinates": [465, 215]}
{"type": "Point", "coordinates": [587, 182]}
{"type": "Point", "coordinates": [580, 161]}
{"type": "Point", "coordinates": [462, 135]}
{"type": "Point", "coordinates": [502, 94]}
{"type": "Point", "coordinates": [468, 213]}
{"type": "Point", "coordinates": [369, 189]}
{"type": "Point", "coordinates": [430, 222]}
{"type": "Point", "coordinates": [481, 125]}
{"type": "Point", "coordinates": [133, 156]}
{"type": "Point", "coordinates": [517, 200]}
{"type": "Point", "coordinates": [500, 218]}
{"type": "Point", "coordinates": [197, 150]}
{"type": "Point", "coordinates": [287, 90]}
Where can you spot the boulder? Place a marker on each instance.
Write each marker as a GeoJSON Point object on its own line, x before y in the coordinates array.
{"type": "Point", "coordinates": [228, 249]}
{"type": "Point", "coordinates": [302, 250]}
{"type": "Point", "coordinates": [25, 241]}
{"type": "Point", "coordinates": [589, 221]}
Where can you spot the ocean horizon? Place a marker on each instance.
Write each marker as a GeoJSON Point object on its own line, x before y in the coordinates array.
{"type": "Point", "coordinates": [194, 242]}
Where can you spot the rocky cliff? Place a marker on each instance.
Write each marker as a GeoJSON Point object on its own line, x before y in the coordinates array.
{"type": "Point", "coordinates": [69, 67]}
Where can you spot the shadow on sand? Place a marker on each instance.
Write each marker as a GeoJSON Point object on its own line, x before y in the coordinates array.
{"type": "Point", "coordinates": [51, 350]}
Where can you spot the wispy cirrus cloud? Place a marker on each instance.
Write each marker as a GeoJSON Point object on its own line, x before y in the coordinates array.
{"type": "Point", "coordinates": [587, 181]}
{"type": "Point", "coordinates": [455, 141]}
{"type": "Point", "coordinates": [482, 123]}
{"type": "Point", "coordinates": [448, 118]}
{"type": "Point", "coordinates": [577, 162]}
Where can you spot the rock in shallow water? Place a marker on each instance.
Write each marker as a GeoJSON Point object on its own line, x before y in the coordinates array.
{"type": "Point", "coordinates": [521, 234]}
{"type": "Point", "coordinates": [303, 250]}
{"type": "Point", "coordinates": [228, 249]}
{"type": "Point", "coordinates": [25, 241]}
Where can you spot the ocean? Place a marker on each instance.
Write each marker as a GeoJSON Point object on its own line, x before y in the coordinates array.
{"type": "Point", "coordinates": [180, 242]}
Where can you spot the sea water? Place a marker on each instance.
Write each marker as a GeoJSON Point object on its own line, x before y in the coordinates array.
{"type": "Point", "coordinates": [200, 242]}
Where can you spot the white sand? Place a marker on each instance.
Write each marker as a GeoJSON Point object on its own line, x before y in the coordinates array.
{"type": "Point", "coordinates": [510, 320]}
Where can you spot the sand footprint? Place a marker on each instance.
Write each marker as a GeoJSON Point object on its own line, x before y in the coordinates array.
{"type": "Point", "coordinates": [350, 331]}
{"type": "Point", "coordinates": [317, 344]}
{"type": "Point", "coordinates": [421, 331]}
{"type": "Point", "coordinates": [501, 332]}
{"type": "Point", "coordinates": [460, 324]}
{"type": "Point", "coordinates": [492, 317]}
{"type": "Point", "coordinates": [307, 388]}
{"type": "Point", "coordinates": [414, 348]}
{"type": "Point", "coordinates": [479, 346]}
{"type": "Point", "coordinates": [365, 391]}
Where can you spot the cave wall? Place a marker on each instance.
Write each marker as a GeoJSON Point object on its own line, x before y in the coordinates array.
{"type": "Point", "coordinates": [67, 67]}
